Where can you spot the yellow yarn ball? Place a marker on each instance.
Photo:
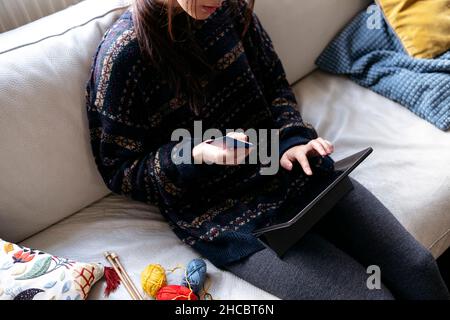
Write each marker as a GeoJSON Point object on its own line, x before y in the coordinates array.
{"type": "Point", "coordinates": [153, 278]}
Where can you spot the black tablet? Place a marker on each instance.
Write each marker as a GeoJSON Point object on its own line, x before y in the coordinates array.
{"type": "Point", "coordinates": [289, 228]}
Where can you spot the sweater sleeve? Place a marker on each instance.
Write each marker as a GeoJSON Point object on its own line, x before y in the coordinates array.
{"type": "Point", "coordinates": [129, 154]}
{"type": "Point", "coordinates": [283, 105]}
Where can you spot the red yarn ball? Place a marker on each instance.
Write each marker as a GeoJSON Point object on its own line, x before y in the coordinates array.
{"type": "Point", "coordinates": [175, 292]}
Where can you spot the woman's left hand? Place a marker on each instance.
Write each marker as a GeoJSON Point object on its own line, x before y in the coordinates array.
{"type": "Point", "coordinates": [300, 153]}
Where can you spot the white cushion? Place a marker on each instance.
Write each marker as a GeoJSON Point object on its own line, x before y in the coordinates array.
{"type": "Point", "coordinates": [48, 171]}
{"type": "Point", "coordinates": [140, 236]}
{"type": "Point", "coordinates": [409, 168]}
{"type": "Point", "coordinates": [301, 29]}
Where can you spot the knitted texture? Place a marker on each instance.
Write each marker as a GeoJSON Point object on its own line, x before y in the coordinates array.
{"type": "Point", "coordinates": [132, 113]}
{"type": "Point", "coordinates": [376, 59]}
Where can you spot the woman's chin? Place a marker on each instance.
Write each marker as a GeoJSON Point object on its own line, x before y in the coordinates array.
{"type": "Point", "coordinates": [201, 16]}
{"type": "Point", "coordinates": [204, 12]}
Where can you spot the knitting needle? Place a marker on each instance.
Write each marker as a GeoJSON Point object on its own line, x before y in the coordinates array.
{"type": "Point", "coordinates": [119, 273]}
{"type": "Point", "coordinates": [108, 256]}
{"type": "Point", "coordinates": [130, 282]}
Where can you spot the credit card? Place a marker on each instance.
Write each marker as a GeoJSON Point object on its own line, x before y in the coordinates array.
{"type": "Point", "coordinates": [230, 143]}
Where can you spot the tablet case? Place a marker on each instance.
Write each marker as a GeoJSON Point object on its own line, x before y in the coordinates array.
{"type": "Point", "coordinates": [281, 237]}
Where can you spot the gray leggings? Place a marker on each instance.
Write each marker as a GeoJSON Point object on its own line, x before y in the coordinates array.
{"type": "Point", "coordinates": [330, 262]}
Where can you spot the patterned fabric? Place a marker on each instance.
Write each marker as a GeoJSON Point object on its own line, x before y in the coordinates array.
{"type": "Point", "coordinates": [375, 59]}
{"type": "Point", "coordinates": [132, 113]}
{"type": "Point", "coordinates": [27, 274]}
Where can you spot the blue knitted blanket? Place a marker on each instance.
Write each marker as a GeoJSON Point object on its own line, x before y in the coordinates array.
{"type": "Point", "coordinates": [375, 59]}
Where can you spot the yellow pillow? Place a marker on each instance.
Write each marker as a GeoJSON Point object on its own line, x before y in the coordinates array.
{"type": "Point", "coordinates": [423, 26]}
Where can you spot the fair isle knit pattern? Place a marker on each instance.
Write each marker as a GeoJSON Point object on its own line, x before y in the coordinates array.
{"type": "Point", "coordinates": [132, 113]}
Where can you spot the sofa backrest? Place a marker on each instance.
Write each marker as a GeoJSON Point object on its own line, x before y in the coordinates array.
{"type": "Point", "coordinates": [46, 165]}
{"type": "Point", "coordinates": [16, 13]}
{"type": "Point", "coordinates": [300, 29]}
{"type": "Point", "coordinates": [47, 171]}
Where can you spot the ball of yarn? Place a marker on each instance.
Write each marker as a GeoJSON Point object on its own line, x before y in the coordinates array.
{"type": "Point", "coordinates": [153, 278]}
{"type": "Point", "coordinates": [195, 275]}
{"type": "Point", "coordinates": [175, 292]}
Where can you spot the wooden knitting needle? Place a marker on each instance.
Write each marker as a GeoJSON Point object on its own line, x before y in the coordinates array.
{"type": "Point", "coordinates": [121, 276]}
{"type": "Point", "coordinates": [127, 277]}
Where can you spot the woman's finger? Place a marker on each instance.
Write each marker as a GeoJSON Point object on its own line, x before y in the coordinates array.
{"type": "Point", "coordinates": [303, 160]}
{"type": "Point", "coordinates": [234, 156]}
{"type": "Point", "coordinates": [286, 163]}
{"type": "Point", "coordinates": [319, 147]}
{"type": "Point", "coordinates": [330, 145]}
{"type": "Point", "coordinates": [326, 144]}
{"type": "Point", "coordinates": [309, 150]}
{"type": "Point", "coordinates": [240, 155]}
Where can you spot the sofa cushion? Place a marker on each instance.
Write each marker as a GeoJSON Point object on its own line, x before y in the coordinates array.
{"type": "Point", "coordinates": [301, 29]}
{"type": "Point", "coordinates": [31, 274]}
{"type": "Point", "coordinates": [408, 169]}
{"type": "Point", "coordinates": [16, 13]}
{"type": "Point", "coordinates": [376, 59]}
{"type": "Point", "coordinates": [47, 168]}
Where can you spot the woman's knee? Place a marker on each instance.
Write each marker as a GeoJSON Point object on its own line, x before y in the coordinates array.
{"type": "Point", "coordinates": [422, 261]}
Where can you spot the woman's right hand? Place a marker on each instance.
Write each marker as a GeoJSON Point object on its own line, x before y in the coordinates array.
{"type": "Point", "coordinates": [300, 154]}
{"type": "Point", "coordinates": [210, 154]}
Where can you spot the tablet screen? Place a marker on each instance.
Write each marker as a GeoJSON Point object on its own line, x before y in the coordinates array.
{"type": "Point", "coordinates": [318, 188]}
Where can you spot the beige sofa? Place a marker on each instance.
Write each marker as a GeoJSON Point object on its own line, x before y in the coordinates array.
{"type": "Point", "coordinates": [52, 197]}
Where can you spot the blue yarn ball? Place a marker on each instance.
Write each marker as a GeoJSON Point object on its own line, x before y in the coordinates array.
{"type": "Point", "coordinates": [195, 275]}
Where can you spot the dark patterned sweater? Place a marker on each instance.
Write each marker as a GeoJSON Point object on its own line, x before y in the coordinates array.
{"type": "Point", "coordinates": [132, 112]}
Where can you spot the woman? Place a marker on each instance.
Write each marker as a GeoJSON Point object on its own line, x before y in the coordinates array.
{"type": "Point", "coordinates": [166, 64]}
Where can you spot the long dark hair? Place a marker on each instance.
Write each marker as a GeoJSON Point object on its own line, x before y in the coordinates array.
{"type": "Point", "coordinates": [160, 29]}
